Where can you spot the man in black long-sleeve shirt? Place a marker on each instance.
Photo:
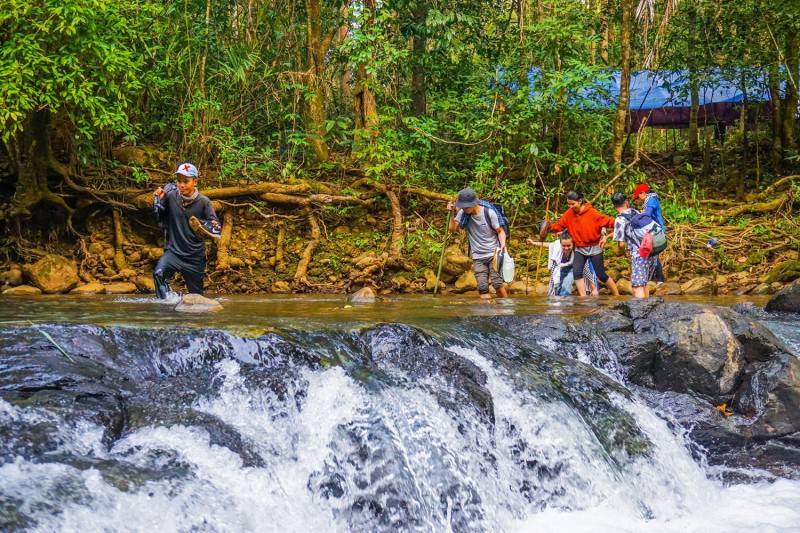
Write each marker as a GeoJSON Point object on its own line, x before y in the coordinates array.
{"type": "Point", "coordinates": [179, 208]}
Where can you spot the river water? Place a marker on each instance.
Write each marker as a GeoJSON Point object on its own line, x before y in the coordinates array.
{"type": "Point", "coordinates": [300, 414]}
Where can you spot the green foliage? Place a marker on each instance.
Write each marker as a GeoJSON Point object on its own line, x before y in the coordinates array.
{"type": "Point", "coordinates": [81, 59]}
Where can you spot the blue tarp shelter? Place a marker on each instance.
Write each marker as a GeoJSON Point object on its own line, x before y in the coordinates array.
{"type": "Point", "coordinates": [662, 98]}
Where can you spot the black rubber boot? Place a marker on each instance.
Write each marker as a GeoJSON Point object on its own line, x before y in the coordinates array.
{"type": "Point", "coordinates": [162, 286]}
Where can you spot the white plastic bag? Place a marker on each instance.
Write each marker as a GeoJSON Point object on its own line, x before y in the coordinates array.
{"type": "Point", "coordinates": [504, 264]}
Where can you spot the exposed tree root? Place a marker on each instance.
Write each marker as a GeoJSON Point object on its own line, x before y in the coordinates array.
{"type": "Point", "coordinates": [84, 274]}
{"type": "Point", "coordinates": [119, 240]}
{"type": "Point", "coordinates": [280, 258]}
{"type": "Point", "coordinates": [280, 198]}
{"type": "Point", "coordinates": [223, 259]}
{"type": "Point", "coordinates": [758, 207]}
{"type": "Point", "coordinates": [301, 274]}
{"type": "Point", "coordinates": [777, 186]}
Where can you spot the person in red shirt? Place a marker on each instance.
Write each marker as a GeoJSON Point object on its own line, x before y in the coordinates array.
{"type": "Point", "coordinates": [585, 224]}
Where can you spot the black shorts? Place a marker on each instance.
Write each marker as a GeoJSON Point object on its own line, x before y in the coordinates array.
{"type": "Point", "coordinates": [597, 262]}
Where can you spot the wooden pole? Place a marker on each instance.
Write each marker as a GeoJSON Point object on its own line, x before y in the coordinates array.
{"type": "Point", "coordinates": [441, 255]}
{"type": "Point", "coordinates": [539, 255]}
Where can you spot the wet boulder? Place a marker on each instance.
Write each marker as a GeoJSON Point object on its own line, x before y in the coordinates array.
{"type": "Point", "coordinates": [466, 282]}
{"type": "Point", "coordinates": [770, 395]}
{"type": "Point", "coordinates": [431, 281]}
{"type": "Point", "coordinates": [53, 274]}
{"type": "Point", "coordinates": [681, 347]}
{"type": "Point", "coordinates": [120, 287]}
{"type": "Point", "coordinates": [36, 375]}
{"type": "Point", "coordinates": [700, 285]}
{"type": "Point", "coordinates": [787, 300]}
{"type": "Point", "coordinates": [13, 277]}
{"type": "Point", "coordinates": [407, 354]}
{"type": "Point", "coordinates": [716, 353]}
{"type": "Point", "coordinates": [455, 262]}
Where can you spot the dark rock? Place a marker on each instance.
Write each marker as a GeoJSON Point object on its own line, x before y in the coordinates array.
{"type": "Point", "coordinates": [770, 393]}
{"type": "Point", "coordinates": [408, 354]}
{"type": "Point", "coordinates": [787, 300]}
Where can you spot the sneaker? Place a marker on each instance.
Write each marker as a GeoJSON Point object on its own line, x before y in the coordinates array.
{"type": "Point", "coordinates": [204, 228]}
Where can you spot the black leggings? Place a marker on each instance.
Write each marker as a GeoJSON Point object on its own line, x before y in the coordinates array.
{"type": "Point", "coordinates": [597, 262]}
{"type": "Point", "coordinates": [168, 265]}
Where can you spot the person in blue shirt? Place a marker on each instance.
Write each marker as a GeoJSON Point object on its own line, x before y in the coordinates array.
{"type": "Point", "coordinates": [651, 206]}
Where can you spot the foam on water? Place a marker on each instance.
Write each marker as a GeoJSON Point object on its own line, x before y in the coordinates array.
{"type": "Point", "coordinates": [673, 491]}
{"type": "Point", "coordinates": [331, 448]}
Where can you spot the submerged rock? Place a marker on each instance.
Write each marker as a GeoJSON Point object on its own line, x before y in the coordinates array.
{"type": "Point", "coordinates": [787, 300]}
{"type": "Point", "coordinates": [364, 295]}
{"type": "Point", "coordinates": [197, 303]}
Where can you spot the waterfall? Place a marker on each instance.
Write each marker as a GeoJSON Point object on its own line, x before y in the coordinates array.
{"type": "Point", "coordinates": [382, 429]}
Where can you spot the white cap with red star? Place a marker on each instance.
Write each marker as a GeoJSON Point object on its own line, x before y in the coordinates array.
{"type": "Point", "coordinates": [187, 169]}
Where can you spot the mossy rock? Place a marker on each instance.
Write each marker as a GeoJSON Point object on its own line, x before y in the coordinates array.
{"type": "Point", "coordinates": [783, 272]}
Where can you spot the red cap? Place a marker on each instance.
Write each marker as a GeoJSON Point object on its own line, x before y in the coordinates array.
{"type": "Point", "coordinates": [642, 187]}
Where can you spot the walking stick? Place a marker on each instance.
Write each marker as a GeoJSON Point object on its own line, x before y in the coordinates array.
{"type": "Point", "coordinates": [441, 256]}
{"type": "Point", "coordinates": [539, 255]}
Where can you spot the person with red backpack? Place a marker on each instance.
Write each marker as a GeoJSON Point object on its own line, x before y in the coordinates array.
{"type": "Point", "coordinates": [634, 231]}
{"type": "Point", "coordinates": [585, 224]}
{"type": "Point", "coordinates": [651, 206]}
{"type": "Point", "coordinates": [487, 227]}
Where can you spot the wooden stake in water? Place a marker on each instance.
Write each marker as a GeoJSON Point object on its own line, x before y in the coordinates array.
{"type": "Point", "coordinates": [539, 255]}
{"type": "Point", "coordinates": [441, 255]}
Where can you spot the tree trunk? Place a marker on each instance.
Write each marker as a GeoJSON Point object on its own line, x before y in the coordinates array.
{"type": "Point", "coordinates": [624, 84]}
{"type": "Point", "coordinates": [790, 109]}
{"type": "Point", "coordinates": [366, 108]}
{"type": "Point", "coordinates": [694, 112]}
{"type": "Point", "coordinates": [604, 31]}
{"type": "Point", "coordinates": [314, 104]}
{"type": "Point", "coordinates": [775, 100]}
{"type": "Point", "coordinates": [419, 104]}
{"type": "Point", "coordinates": [31, 155]}
{"type": "Point", "coordinates": [345, 92]}
{"type": "Point", "coordinates": [693, 83]}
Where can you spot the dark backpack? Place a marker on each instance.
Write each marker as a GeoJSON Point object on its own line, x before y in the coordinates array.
{"type": "Point", "coordinates": [635, 228]}
{"type": "Point", "coordinates": [499, 211]}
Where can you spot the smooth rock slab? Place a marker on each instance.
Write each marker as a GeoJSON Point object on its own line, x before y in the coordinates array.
{"type": "Point", "coordinates": [197, 303]}
{"type": "Point", "coordinates": [23, 290]}
{"type": "Point", "coordinates": [122, 287]}
{"type": "Point", "coordinates": [89, 288]}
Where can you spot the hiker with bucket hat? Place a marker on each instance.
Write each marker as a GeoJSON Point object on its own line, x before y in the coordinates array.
{"type": "Point", "coordinates": [487, 231]}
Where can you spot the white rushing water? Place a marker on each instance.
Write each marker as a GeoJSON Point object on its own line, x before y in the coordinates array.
{"type": "Point", "coordinates": [541, 469]}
